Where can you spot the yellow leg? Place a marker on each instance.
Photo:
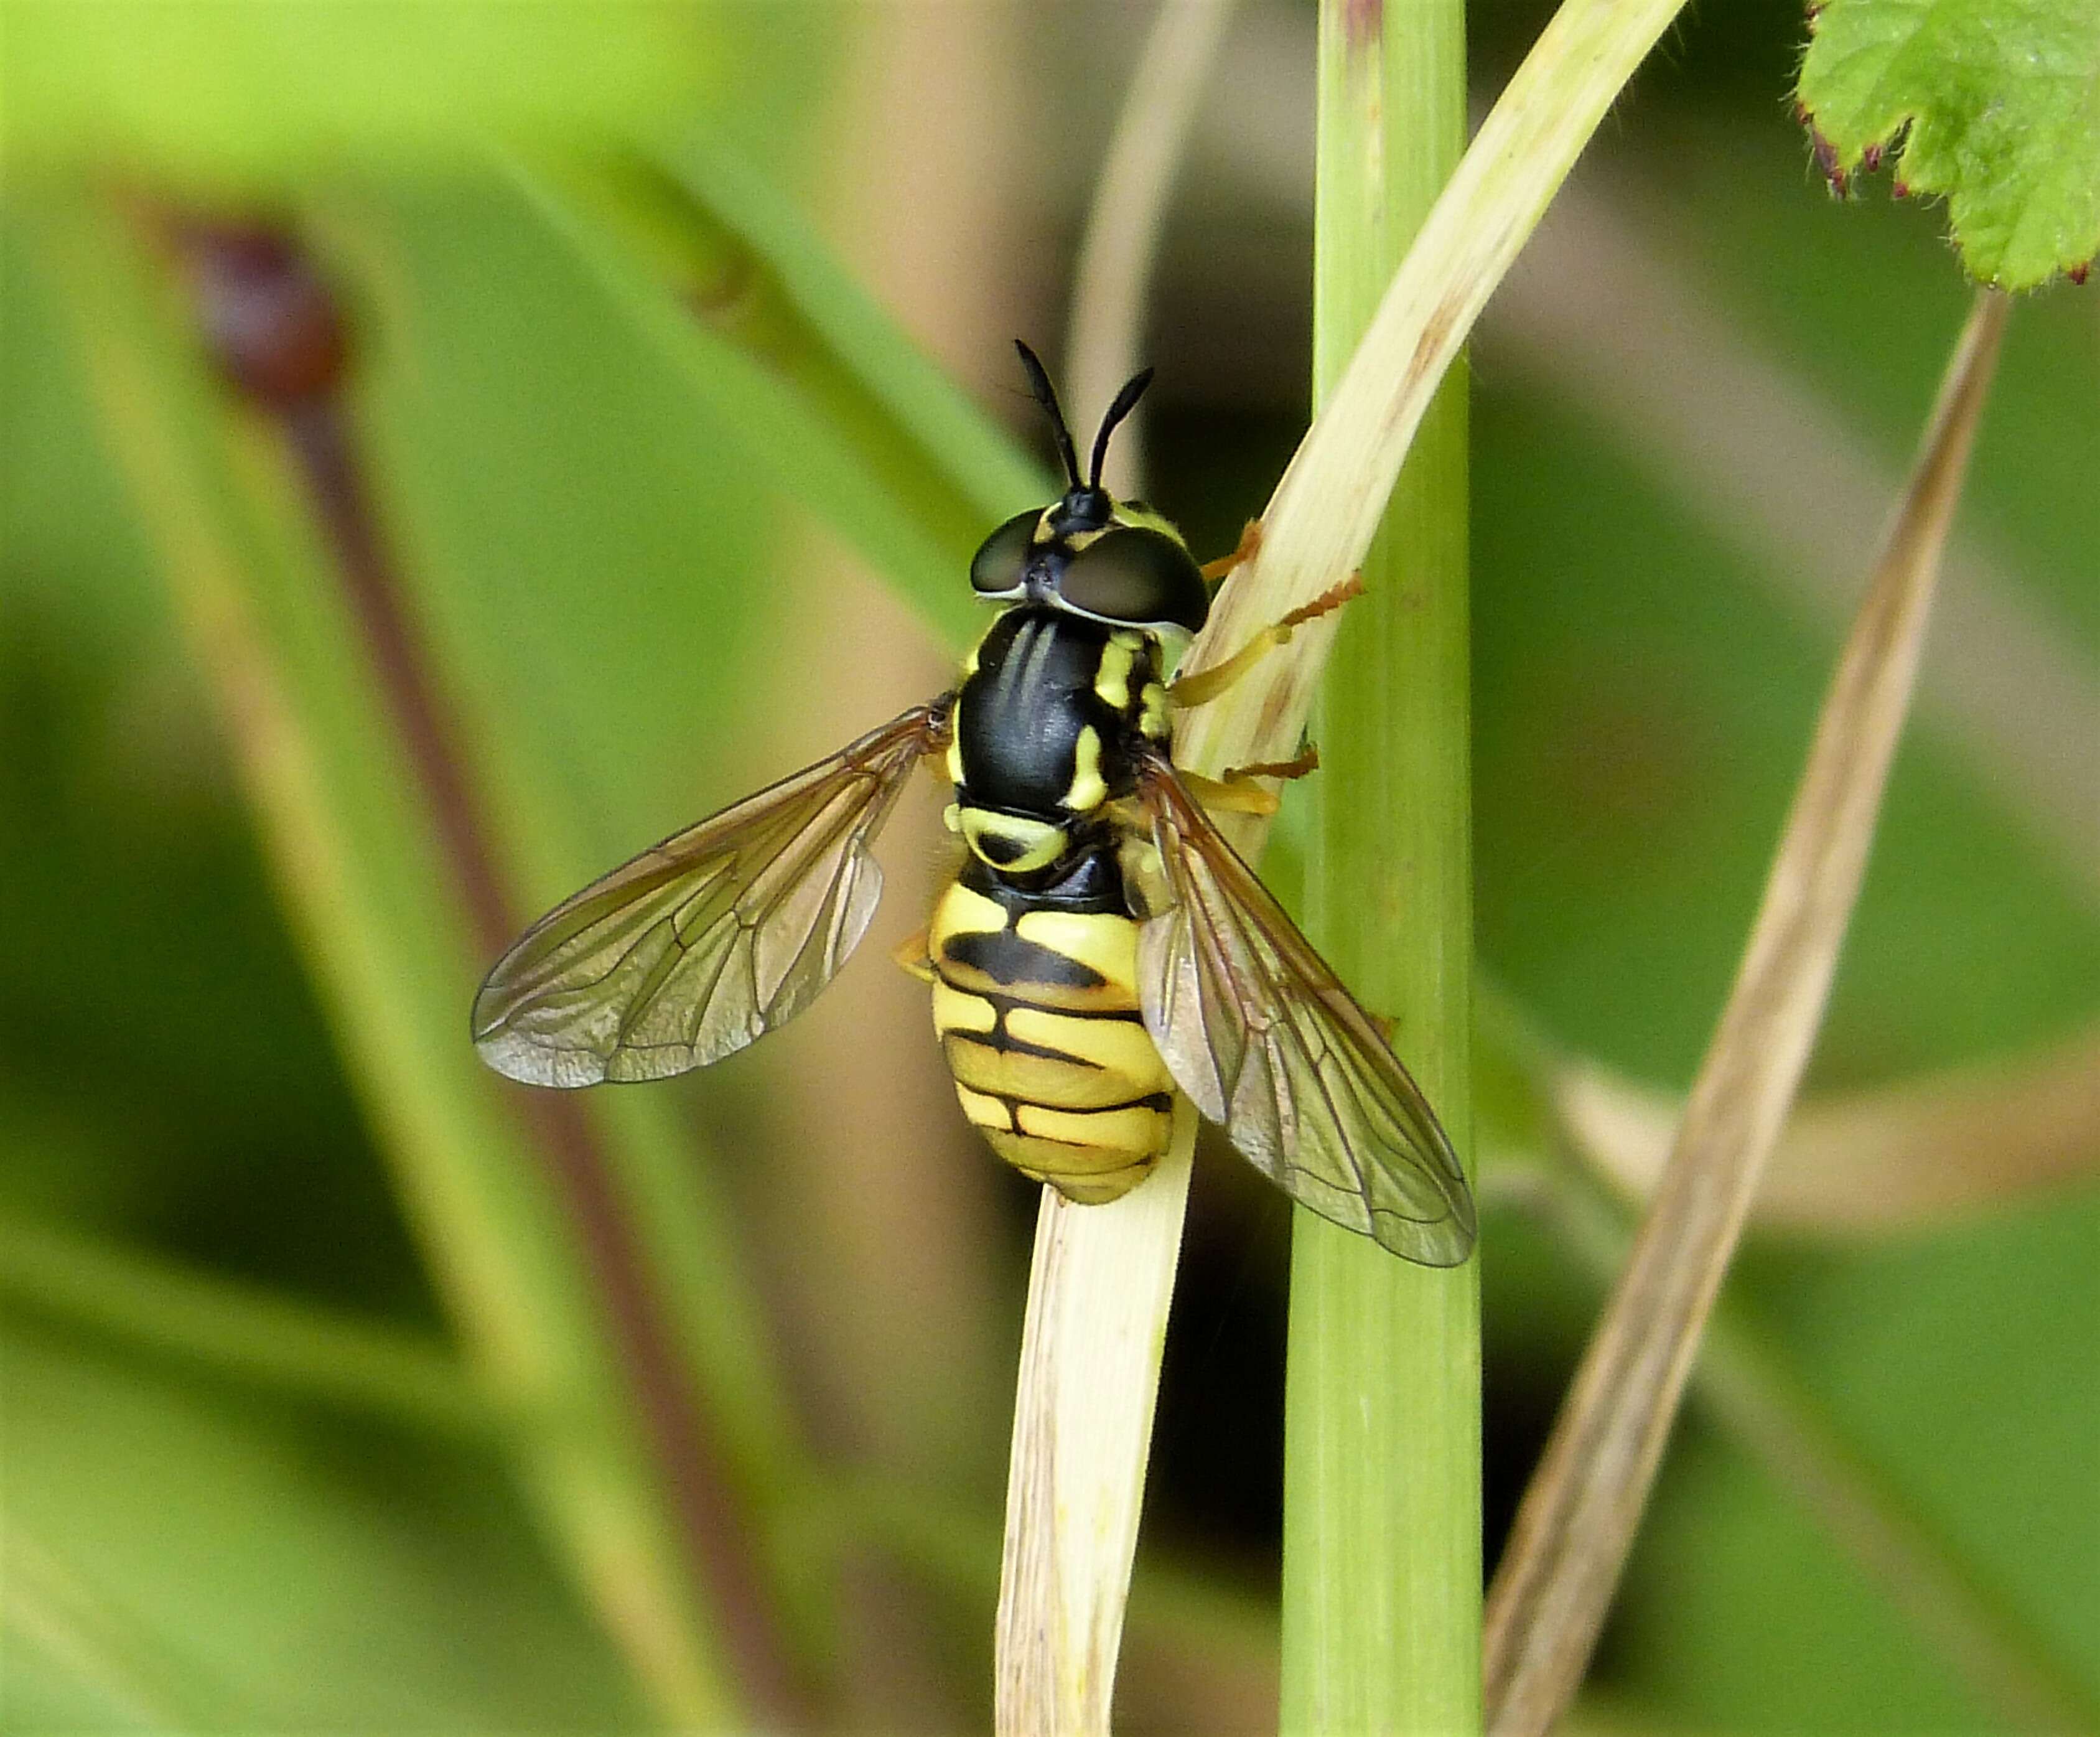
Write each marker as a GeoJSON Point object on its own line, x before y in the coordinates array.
{"type": "Point", "coordinates": [1227, 796]}
{"type": "Point", "coordinates": [1203, 685]}
{"type": "Point", "coordinates": [1218, 571]}
{"type": "Point", "coordinates": [916, 956]}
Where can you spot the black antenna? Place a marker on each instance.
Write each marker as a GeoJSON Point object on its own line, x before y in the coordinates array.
{"type": "Point", "coordinates": [1045, 395]}
{"type": "Point", "coordinates": [1126, 401]}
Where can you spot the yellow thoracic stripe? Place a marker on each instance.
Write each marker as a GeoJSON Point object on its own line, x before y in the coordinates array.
{"type": "Point", "coordinates": [1152, 714]}
{"type": "Point", "coordinates": [1112, 678]}
{"type": "Point", "coordinates": [1088, 789]}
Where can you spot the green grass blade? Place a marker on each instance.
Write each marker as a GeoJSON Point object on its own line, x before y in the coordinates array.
{"type": "Point", "coordinates": [240, 1331]}
{"type": "Point", "coordinates": [831, 401]}
{"type": "Point", "coordinates": [371, 906]}
{"type": "Point", "coordinates": [1382, 1567]}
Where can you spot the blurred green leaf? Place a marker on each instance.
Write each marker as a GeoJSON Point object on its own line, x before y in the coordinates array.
{"type": "Point", "coordinates": [243, 97]}
{"type": "Point", "coordinates": [268, 621]}
{"type": "Point", "coordinates": [185, 1561]}
{"type": "Point", "coordinates": [1996, 105]}
{"type": "Point", "coordinates": [797, 366]}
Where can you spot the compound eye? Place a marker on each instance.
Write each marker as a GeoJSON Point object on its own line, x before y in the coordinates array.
{"type": "Point", "coordinates": [995, 568]}
{"type": "Point", "coordinates": [1140, 576]}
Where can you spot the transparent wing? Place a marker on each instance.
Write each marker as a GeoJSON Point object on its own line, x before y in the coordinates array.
{"type": "Point", "coordinates": [1258, 1031]}
{"type": "Point", "coordinates": [710, 939]}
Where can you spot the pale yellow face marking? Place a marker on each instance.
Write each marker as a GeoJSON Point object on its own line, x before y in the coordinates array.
{"type": "Point", "coordinates": [952, 817]}
{"type": "Point", "coordinates": [1108, 944]}
{"type": "Point", "coordinates": [1089, 789]}
{"type": "Point", "coordinates": [956, 1010]}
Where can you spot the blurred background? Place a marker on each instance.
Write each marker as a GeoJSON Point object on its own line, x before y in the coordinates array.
{"type": "Point", "coordinates": [447, 447]}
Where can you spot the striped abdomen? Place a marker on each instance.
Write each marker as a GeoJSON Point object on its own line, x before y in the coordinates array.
{"type": "Point", "coordinates": [1036, 1008]}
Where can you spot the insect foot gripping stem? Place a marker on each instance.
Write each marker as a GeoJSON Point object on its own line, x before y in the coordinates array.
{"type": "Point", "coordinates": [1218, 571]}
{"type": "Point", "coordinates": [1235, 791]}
{"type": "Point", "coordinates": [1203, 685]}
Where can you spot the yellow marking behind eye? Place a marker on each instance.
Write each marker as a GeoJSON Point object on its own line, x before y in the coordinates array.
{"type": "Point", "coordinates": [1147, 519]}
{"type": "Point", "coordinates": [955, 735]}
{"type": "Point", "coordinates": [1088, 789]}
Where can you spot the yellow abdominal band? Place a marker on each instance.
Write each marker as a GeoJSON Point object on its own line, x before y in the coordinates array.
{"type": "Point", "coordinates": [1038, 1018]}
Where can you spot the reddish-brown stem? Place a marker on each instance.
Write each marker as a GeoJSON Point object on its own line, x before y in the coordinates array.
{"type": "Point", "coordinates": [279, 336]}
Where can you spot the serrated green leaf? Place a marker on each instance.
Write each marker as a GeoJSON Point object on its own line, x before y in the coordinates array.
{"type": "Point", "coordinates": [1996, 104]}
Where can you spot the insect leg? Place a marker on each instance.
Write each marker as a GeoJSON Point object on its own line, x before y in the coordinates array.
{"type": "Point", "coordinates": [1302, 764]}
{"type": "Point", "coordinates": [914, 953]}
{"type": "Point", "coordinates": [1233, 794]}
{"type": "Point", "coordinates": [1204, 686]}
{"type": "Point", "coordinates": [1218, 571]}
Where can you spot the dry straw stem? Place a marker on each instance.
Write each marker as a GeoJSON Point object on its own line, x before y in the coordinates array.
{"type": "Point", "coordinates": [1074, 1497]}
{"type": "Point", "coordinates": [1121, 245]}
{"type": "Point", "coordinates": [1102, 1279]}
{"type": "Point", "coordinates": [1098, 1292]}
{"type": "Point", "coordinates": [1578, 1520]}
{"type": "Point", "coordinates": [1896, 1159]}
{"type": "Point", "coordinates": [1327, 507]}
{"type": "Point", "coordinates": [1749, 1391]}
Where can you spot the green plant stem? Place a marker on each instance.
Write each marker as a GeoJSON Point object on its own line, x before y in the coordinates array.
{"type": "Point", "coordinates": [1382, 1563]}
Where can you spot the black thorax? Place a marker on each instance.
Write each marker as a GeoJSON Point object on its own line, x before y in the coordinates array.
{"type": "Point", "coordinates": [1022, 712]}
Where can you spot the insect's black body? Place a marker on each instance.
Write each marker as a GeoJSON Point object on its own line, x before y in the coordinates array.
{"type": "Point", "coordinates": [1101, 947]}
{"type": "Point", "coordinates": [1035, 948]}
{"type": "Point", "coordinates": [1027, 706]}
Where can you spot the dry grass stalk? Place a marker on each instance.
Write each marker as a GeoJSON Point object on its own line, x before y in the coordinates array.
{"type": "Point", "coordinates": [1121, 246]}
{"type": "Point", "coordinates": [1326, 509]}
{"type": "Point", "coordinates": [1894, 1159]}
{"type": "Point", "coordinates": [1070, 1530]}
{"type": "Point", "coordinates": [1102, 1279]}
{"type": "Point", "coordinates": [1578, 1520]}
{"type": "Point", "coordinates": [1099, 1288]}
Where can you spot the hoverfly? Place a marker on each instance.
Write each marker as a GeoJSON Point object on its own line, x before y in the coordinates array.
{"type": "Point", "coordinates": [1100, 946]}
